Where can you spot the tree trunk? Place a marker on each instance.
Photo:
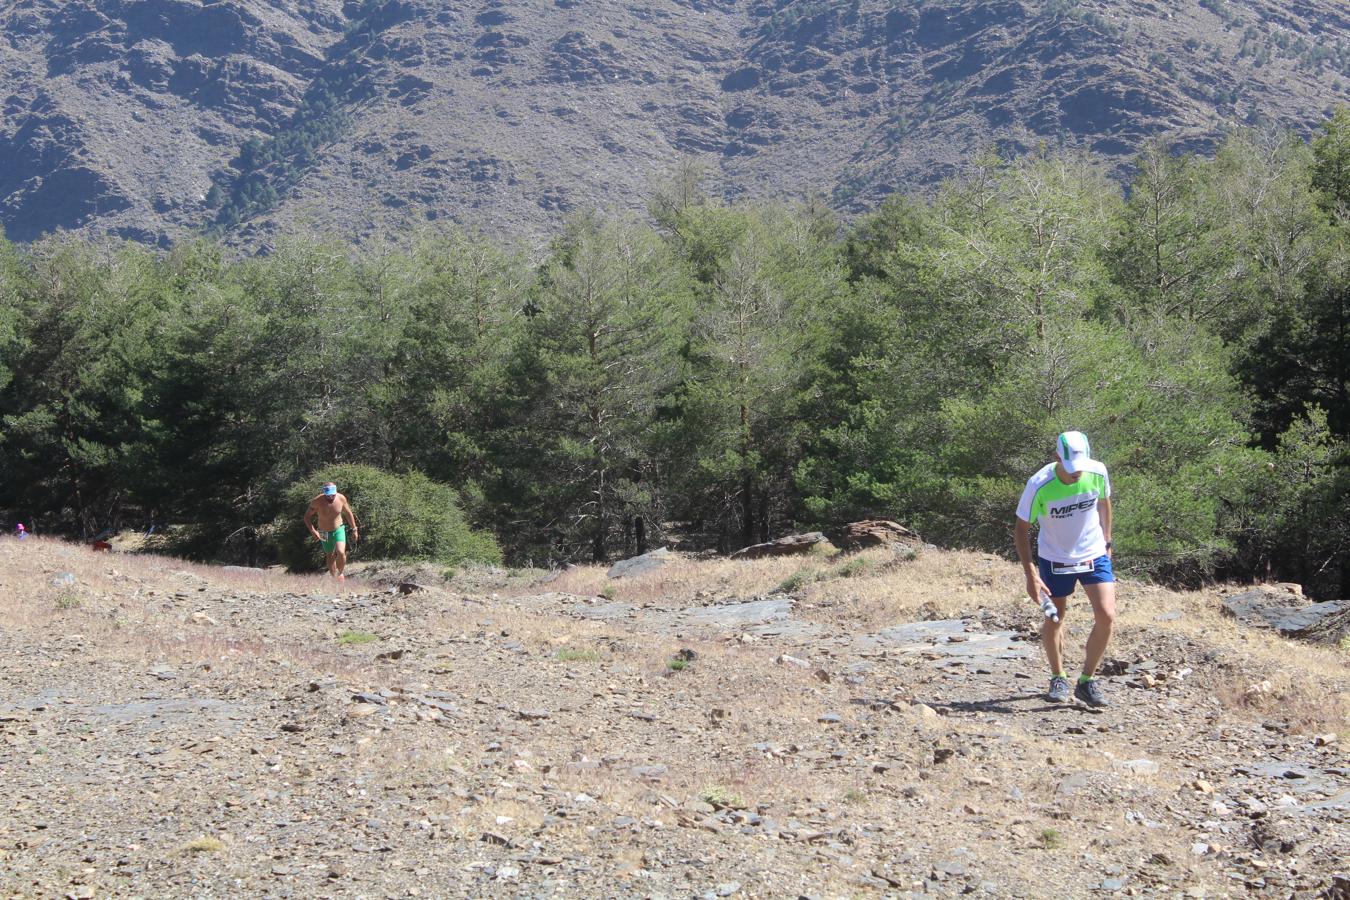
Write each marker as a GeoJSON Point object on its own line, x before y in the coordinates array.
{"type": "Point", "coordinates": [747, 511]}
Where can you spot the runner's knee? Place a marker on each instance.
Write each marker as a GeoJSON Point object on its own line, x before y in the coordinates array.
{"type": "Point", "coordinates": [1105, 610]}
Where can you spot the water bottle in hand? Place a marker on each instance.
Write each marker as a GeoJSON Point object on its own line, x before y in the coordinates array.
{"type": "Point", "coordinates": [1048, 607]}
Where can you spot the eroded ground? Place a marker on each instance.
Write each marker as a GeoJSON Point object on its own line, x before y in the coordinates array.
{"type": "Point", "coordinates": [876, 728]}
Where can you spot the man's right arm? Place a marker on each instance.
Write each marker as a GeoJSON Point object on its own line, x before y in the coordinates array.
{"type": "Point", "coordinates": [306, 516]}
{"type": "Point", "coordinates": [1022, 541]}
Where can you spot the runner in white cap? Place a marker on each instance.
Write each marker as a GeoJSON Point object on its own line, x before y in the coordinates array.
{"type": "Point", "coordinates": [1071, 499]}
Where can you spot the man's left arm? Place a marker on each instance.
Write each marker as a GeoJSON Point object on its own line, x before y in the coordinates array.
{"type": "Point", "coordinates": [351, 519]}
{"type": "Point", "coordinates": [1104, 516]}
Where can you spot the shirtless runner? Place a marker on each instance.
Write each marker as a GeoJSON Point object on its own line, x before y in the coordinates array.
{"type": "Point", "coordinates": [330, 508]}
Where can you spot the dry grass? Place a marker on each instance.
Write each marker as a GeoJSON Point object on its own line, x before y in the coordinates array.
{"type": "Point", "coordinates": [202, 845]}
{"type": "Point", "coordinates": [679, 581]}
{"type": "Point", "coordinates": [119, 604]}
{"type": "Point", "coordinates": [863, 591]}
{"type": "Point", "coordinates": [755, 698]}
{"type": "Point", "coordinates": [29, 567]}
{"type": "Point", "coordinates": [572, 654]}
{"type": "Point", "coordinates": [1305, 707]}
{"type": "Point", "coordinates": [734, 727]}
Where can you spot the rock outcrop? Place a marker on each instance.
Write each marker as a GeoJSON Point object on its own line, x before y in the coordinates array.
{"type": "Point", "coordinates": [120, 116]}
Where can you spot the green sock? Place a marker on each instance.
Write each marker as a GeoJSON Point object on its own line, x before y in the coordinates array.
{"type": "Point", "coordinates": [1061, 675]}
{"type": "Point", "coordinates": [1084, 679]}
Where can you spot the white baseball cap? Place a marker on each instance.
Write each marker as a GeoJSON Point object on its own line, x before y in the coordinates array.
{"type": "Point", "coordinates": [1073, 450]}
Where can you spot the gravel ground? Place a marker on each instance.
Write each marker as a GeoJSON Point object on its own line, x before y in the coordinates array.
{"type": "Point", "coordinates": [172, 730]}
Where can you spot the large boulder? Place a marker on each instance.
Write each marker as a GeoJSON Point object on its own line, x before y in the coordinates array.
{"type": "Point", "coordinates": [876, 533]}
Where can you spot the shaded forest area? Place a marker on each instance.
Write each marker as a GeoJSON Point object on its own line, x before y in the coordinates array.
{"type": "Point", "coordinates": [728, 373]}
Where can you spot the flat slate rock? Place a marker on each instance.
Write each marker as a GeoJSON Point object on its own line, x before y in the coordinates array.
{"type": "Point", "coordinates": [948, 637]}
{"type": "Point", "coordinates": [1296, 778]}
{"type": "Point", "coordinates": [154, 714]}
{"type": "Point", "coordinates": [739, 615]}
{"type": "Point", "coordinates": [1283, 611]}
{"type": "Point", "coordinates": [765, 616]}
{"type": "Point", "coordinates": [784, 546]}
{"type": "Point", "coordinates": [640, 565]}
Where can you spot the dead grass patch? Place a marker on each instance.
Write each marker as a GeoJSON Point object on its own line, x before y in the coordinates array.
{"type": "Point", "coordinates": [1304, 707]}
{"type": "Point", "coordinates": [679, 581]}
{"type": "Point", "coordinates": [574, 654]}
{"type": "Point", "coordinates": [202, 845]}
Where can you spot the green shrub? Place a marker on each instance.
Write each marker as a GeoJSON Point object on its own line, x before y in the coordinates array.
{"type": "Point", "coordinates": [400, 517]}
{"type": "Point", "coordinates": [350, 637]}
{"type": "Point", "coordinates": [722, 797]}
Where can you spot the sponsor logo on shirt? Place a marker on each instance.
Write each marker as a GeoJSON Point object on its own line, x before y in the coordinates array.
{"type": "Point", "coordinates": [1068, 509]}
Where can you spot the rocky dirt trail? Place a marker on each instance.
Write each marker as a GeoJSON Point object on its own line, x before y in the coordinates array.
{"type": "Point", "coordinates": [778, 728]}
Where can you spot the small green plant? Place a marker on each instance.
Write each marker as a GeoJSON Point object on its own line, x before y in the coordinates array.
{"type": "Point", "coordinates": [349, 637]}
{"type": "Point", "coordinates": [721, 797]}
{"type": "Point", "coordinates": [203, 845]}
{"type": "Point", "coordinates": [573, 654]}
{"type": "Point", "coordinates": [797, 580]}
{"type": "Point", "coordinates": [854, 796]}
{"type": "Point", "coordinates": [853, 568]}
{"type": "Point", "coordinates": [1050, 839]}
{"type": "Point", "coordinates": [608, 592]}
{"type": "Point", "coordinates": [1345, 643]}
{"type": "Point", "coordinates": [68, 600]}
{"type": "Point", "coordinates": [681, 660]}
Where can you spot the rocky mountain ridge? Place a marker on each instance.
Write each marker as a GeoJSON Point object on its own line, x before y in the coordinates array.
{"type": "Point", "coordinates": [160, 119]}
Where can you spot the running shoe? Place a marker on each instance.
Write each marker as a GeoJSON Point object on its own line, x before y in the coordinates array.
{"type": "Point", "coordinates": [1090, 692]}
{"type": "Point", "coordinates": [1059, 690]}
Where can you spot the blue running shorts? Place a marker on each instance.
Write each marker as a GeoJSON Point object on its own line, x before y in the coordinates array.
{"type": "Point", "coordinates": [1063, 585]}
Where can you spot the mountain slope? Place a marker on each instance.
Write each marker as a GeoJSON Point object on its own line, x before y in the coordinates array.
{"type": "Point", "coordinates": [121, 115]}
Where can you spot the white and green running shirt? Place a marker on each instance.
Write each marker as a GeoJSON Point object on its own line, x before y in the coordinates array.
{"type": "Point", "coordinates": [1070, 530]}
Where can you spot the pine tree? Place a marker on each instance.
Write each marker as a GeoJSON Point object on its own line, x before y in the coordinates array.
{"type": "Point", "coordinates": [604, 334]}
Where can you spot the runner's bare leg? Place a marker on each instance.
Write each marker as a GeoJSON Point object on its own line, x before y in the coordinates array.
{"type": "Point", "coordinates": [1103, 597]}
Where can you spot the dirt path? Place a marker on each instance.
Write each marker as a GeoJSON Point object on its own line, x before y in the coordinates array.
{"type": "Point", "coordinates": [181, 731]}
